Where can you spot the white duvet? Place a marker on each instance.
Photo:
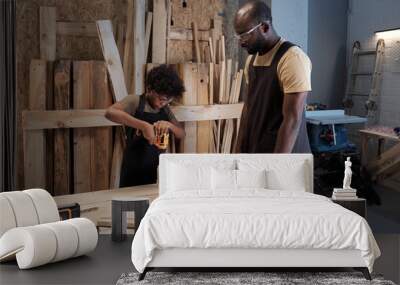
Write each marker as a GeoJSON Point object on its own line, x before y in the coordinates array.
{"type": "Point", "coordinates": [250, 219]}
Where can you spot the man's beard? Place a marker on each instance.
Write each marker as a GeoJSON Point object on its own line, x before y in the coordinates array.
{"type": "Point", "coordinates": [254, 48]}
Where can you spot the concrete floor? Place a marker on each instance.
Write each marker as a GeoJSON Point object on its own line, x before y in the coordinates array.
{"type": "Point", "coordinates": [103, 266]}
{"type": "Point", "coordinates": [110, 259]}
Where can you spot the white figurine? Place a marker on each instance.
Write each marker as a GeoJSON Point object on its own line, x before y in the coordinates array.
{"type": "Point", "coordinates": [347, 174]}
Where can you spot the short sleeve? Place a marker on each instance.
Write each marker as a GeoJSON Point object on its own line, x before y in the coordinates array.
{"type": "Point", "coordinates": [171, 116]}
{"type": "Point", "coordinates": [294, 71]}
{"type": "Point", "coordinates": [130, 104]}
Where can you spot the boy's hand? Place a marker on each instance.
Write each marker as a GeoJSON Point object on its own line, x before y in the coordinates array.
{"type": "Point", "coordinates": [162, 127]}
{"type": "Point", "coordinates": [148, 133]}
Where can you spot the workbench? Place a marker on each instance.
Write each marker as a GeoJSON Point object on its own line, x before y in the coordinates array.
{"type": "Point", "coordinates": [386, 163]}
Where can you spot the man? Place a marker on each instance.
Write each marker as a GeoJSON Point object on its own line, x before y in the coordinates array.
{"type": "Point", "coordinates": [144, 116]}
{"type": "Point", "coordinates": [278, 76]}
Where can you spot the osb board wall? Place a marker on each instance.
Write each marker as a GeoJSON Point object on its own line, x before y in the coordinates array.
{"type": "Point", "coordinates": [183, 13]}
{"type": "Point", "coordinates": [77, 48]}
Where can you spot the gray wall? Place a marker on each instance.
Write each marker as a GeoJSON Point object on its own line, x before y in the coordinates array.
{"type": "Point", "coordinates": [366, 17]}
{"type": "Point", "coordinates": [290, 18]}
{"type": "Point", "coordinates": [327, 34]}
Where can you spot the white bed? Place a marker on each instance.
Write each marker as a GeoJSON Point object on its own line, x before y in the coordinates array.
{"type": "Point", "coordinates": [247, 210]}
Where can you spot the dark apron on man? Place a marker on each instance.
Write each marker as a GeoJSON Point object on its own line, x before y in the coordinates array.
{"type": "Point", "coordinates": [262, 114]}
{"type": "Point", "coordinates": [140, 160]}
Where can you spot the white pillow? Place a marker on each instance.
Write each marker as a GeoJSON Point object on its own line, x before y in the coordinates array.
{"type": "Point", "coordinates": [223, 179]}
{"type": "Point", "coordinates": [227, 179]}
{"type": "Point", "coordinates": [251, 178]}
{"type": "Point", "coordinates": [189, 175]}
{"type": "Point", "coordinates": [183, 177]}
{"type": "Point", "coordinates": [282, 174]}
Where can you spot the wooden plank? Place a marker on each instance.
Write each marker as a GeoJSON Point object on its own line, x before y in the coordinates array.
{"type": "Point", "coordinates": [212, 53]}
{"type": "Point", "coordinates": [117, 156]}
{"type": "Point", "coordinates": [78, 29]}
{"type": "Point", "coordinates": [159, 52]}
{"type": "Point", "coordinates": [101, 202]}
{"type": "Point", "coordinates": [149, 22]}
{"type": "Point", "coordinates": [189, 77]}
{"type": "Point", "coordinates": [112, 58]}
{"type": "Point", "coordinates": [196, 42]}
{"type": "Point", "coordinates": [49, 134]}
{"type": "Point", "coordinates": [34, 120]}
{"type": "Point", "coordinates": [47, 33]}
{"type": "Point", "coordinates": [101, 139]}
{"type": "Point", "coordinates": [222, 78]}
{"type": "Point", "coordinates": [34, 140]}
{"type": "Point", "coordinates": [38, 120]}
{"type": "Point", "coordinates": [139, 47]}
{"type": "Point", "coordinates": [128, 50]}
{"type": "Point", "coordinates": [228, 81]}
{"type": "Point", "coordinates": [81, 136]}
{"type": "Point", "coordinates": [62, 153]}
{"type": "Point", "coordinates": [203, 128]}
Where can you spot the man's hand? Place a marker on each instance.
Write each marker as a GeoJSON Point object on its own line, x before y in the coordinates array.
{"type": "Point", "coordinates": [162, 127]}
{"type": "Point", "coordinates": [148, 133]}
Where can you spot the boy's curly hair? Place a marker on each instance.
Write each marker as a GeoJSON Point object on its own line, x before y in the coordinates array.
{"type": "Point", "coordinates": [164, 80]}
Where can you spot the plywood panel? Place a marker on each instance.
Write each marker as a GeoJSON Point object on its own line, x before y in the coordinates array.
{"type": "Point", "coordinates": [62, 152]}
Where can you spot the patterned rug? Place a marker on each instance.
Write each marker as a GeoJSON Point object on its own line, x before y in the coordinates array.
{"type": "Point", "coordinates": [244, 278]}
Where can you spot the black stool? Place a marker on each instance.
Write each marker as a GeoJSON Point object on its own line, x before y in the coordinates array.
{"type": "Point", "coordinates": [120, 206]}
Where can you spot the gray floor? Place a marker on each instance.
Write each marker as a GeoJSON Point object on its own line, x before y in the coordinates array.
{"type": "Point", "coordinates": [110, 259]}
{"type": "Point", "coordinates": [103, 266]}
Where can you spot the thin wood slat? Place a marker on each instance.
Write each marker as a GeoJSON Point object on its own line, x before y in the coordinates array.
{"type": "Point", "coordinates": [112, 58]}
{"type": "Point", "coordinates": [38, 120]}
{"type": "Point", "coordinates": [34, 140]}
{"type": "Point", "coordinates": [62, 153]}
{"type": "Point", "coordinates": [48, 29]}
{"type": "Point", "coordinates": [149, 22]}
{"type": "Point", "coordinates": [203, 128]}
{"type": "Point", "coordinates": [159, 51]}
{"type": "Point", "coordinates": [189, 76]}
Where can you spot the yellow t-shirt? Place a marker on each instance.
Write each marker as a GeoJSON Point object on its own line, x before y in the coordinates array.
{"type": "Point", "coordinates": [294, 68]}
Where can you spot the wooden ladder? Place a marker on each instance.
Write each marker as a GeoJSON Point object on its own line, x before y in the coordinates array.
{"type": "Point", "coordinates": [371, 98]}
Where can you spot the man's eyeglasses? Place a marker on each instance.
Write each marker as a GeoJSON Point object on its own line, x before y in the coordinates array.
{"type": "Point", "coordinates": [245, 35]}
